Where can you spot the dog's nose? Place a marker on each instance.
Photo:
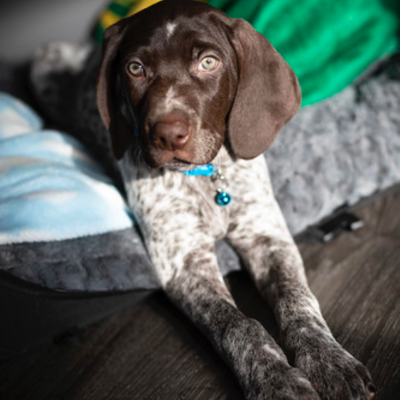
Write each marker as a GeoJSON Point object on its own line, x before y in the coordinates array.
{"type": "Point", "coordinates": [171, 133]}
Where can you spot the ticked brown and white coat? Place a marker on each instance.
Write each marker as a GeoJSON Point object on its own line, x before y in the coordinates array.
{"type": "Point", "coordinates": [180, 84]}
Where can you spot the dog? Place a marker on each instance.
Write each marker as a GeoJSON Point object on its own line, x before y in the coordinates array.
{"type": "Point", "coordinates": [191, 100]}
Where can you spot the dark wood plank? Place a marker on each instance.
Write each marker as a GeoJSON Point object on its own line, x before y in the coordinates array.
{"type": "Point", "coordinates": [152, 352]}
{"type": "Point", "coordinates": [357, 281]}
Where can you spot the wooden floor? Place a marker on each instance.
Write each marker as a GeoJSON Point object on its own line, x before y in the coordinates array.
{"type": "Point", "coordinates": [152, 352]}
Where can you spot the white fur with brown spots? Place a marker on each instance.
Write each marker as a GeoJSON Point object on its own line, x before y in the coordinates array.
{"type": "Point", "coordinates": [229, 117]}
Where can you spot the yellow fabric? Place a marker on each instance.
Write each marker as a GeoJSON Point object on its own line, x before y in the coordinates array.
{"type": "Point", "coordinates": [108, 18]}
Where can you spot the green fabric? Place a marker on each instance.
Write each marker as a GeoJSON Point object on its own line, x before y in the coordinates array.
{"type": "Point", "coordinates": [328, 43]}
{"type": "Point", "coordinates": [119, 9]}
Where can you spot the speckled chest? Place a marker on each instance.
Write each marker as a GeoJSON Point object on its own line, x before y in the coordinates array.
{"type": "Point", "coordinates": [166, 201]}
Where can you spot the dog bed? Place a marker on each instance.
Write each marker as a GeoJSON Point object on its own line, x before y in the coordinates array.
{"type": "Point", "coordinates": [335, 152]}
{"type": "Point", "coordinates": [64, 226]}
{"type": "Point", "coordinates": [70, 251]}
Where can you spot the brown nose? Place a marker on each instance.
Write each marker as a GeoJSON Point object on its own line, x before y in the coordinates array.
{"type": "Point", "coordinates": [171, 133]}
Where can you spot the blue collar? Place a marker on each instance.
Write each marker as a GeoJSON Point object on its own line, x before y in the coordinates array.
{"type": "Point", "coordinates": [202, 170]}
{"type": "Point", "coordinates": [222, 198]}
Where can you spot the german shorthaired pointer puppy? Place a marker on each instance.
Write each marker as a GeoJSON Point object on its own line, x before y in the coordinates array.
{"type": "Point", "coordinates": [180, 85]}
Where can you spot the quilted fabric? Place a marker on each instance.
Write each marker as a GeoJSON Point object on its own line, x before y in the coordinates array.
{"type": "Point", "coordinates": [50, 187]}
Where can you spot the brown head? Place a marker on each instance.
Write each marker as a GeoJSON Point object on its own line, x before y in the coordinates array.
{"type": "Point", "coordinates": [180, 79]}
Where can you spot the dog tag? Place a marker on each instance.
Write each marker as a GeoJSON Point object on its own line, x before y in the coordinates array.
{"type": "Point", "coordinates": [223, 199]}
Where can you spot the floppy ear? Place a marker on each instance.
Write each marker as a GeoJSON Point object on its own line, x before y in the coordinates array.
{"type": "Point", "coordinates": [107, 103]}
{"type": "Point", "coordinates": [267, 97]}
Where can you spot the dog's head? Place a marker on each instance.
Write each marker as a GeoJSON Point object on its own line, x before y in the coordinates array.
{"type": "Point", "coordinates": [180, 79]}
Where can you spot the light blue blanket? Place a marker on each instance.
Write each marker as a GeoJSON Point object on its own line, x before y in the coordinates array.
{"type": "Point", "coordinates": [50, 186]}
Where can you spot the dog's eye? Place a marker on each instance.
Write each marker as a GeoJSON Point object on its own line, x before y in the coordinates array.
{"type": "Point", "coordinates": [208, 64]}
{"type": "Point", "coordinates": [136, 69]}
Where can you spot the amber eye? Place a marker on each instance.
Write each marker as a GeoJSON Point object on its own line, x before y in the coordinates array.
{"type": "Point", "coordinates": [208, 64]}
{"type": "Point", "coordinates": [136, 69]}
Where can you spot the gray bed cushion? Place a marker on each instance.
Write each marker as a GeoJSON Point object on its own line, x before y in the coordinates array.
{"type": "Point", "coordinates": [340, 150]}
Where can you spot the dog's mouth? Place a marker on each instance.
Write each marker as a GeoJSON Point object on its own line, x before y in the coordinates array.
{"type": "Point", "coordinates": [178, 163]}
{"type": "Point", "coordinates": [182, 165]}
{"type": "Point", "coordinates": [168, 159]}
{"type": "Point", "coordinates": [181, 160]}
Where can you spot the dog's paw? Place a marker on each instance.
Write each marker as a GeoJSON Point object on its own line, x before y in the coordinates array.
{"type": "Point", "coordinates": [284, 383]}
{"type": "Point", "coordinates": [334, 373]}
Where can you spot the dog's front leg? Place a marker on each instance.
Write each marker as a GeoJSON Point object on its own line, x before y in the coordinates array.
{"type": "Point", "coordinates": [198, 289]}
{"type": "Point", "coordinates": [260, 234]}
